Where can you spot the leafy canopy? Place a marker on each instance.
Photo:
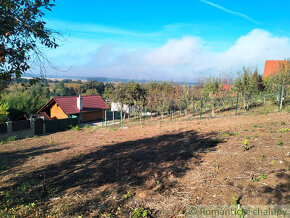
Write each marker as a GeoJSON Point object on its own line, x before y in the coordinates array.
{"type": "Point", "coordinates": [22, 30]}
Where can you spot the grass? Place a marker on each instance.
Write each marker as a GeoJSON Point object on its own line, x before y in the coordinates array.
{"type": "Point", "coordinates": [77, 128]}
{"type": "Point", "coordinates": [283, 130]}
{"type": "Point", "coordinates": [227, 134]}
{"type": "Point", "coordinates": [280, 143]}
{"type": "Point", "coordinates": [25, 196]}
{"type": "Point", "coordinates": [128, 195]}
{"type": "Point", "coordinates": [10, 139]}
{"type": "Point", "coordinates": [262, 176]}
{"type": "Point", "coordinates": [216, 140]}
{"type": "Point", "coordinates": [78, 155]}
{"type": "Point", "coordinates": [88, 126]}
{"type": "Point", "coordinates": [141, 212]}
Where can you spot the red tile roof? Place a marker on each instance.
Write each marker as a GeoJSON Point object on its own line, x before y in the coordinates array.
{"type": "Point", "coordinates": [272, 67]}
{"type": "Point", "coordinates": [69, 104]}
{"type": "Point", "coordinates": [226, 87]}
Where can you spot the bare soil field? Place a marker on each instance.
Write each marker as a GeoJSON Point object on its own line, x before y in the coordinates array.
{"type": "Point", "coordinates": [161, 167]}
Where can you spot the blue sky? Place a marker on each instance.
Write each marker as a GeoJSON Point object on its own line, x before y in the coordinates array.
{"type": "Point", "coordinates": [177, 40]}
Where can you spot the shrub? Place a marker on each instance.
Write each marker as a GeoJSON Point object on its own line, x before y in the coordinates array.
{"type": "Point", "coordinates": [76, 128]}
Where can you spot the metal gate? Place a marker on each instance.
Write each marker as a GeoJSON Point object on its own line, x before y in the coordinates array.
{"type": "Point", "coordinates": [38, 126]}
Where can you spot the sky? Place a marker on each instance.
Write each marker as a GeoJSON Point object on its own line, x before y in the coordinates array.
{"type": "Point", "coordinates": [179, 40]}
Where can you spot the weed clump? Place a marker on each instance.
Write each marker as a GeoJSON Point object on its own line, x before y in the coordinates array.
{"type": "Point", "coordinates": [280, 143]}
{"type": "Point", "coordinates": [76, 128]}
{"type": "Point", "coordinates": [10, 139]}
{"type": "Point", "coordinates": [141, 212]}
{"type": "Point", "coordinates": [245, 147]}
{"type": "Point", "coordinates": [260, 177]}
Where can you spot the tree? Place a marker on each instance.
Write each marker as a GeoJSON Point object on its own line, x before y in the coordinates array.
{"type": "Point", "coordinates": [3, 112]}
{"type": "Point", "coordinates": [184, 99]}
{"type": "Point", "coordinates": [24, 99]}
{"type": "Point", "coordinates": [244, 86]}
{"type": "Point", "coordinates": [22, 31]}
{"type": "Point", "coordinates": [91, 92]}
{"type": "Point", "coordinates": [279, 82]}
{"type": "Point", "coordinates": [210, 89]}
{"type": "Point", "coordinates": [256, 81]}
{"type": "Point", "coordinates": [135, 94]}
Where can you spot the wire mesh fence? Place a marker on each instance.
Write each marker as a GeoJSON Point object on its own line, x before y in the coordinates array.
{"type": "Point", "coordinates": [219, 106]}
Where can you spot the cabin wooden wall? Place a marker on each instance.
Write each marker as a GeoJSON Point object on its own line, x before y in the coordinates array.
{"type": "Point", "coordinates": [96, 115]}
{"type": "Point", "coordinates": [57, 112]}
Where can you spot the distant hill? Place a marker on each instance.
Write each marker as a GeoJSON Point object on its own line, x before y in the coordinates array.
{"type": "Point", "coordinates": [100, 79]}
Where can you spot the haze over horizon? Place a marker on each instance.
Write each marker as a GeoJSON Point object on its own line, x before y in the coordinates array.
{"type": "Point", "coordinates": [167, 40]}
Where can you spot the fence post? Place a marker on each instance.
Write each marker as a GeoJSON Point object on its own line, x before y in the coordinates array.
{"type": "Point", "coordinates": [44, 126]}
{"type": "Point", "coordinates": [144, 116]}
{"type": "Point", "coordinates": [103, 119]}
{"type": "Point", "coordinates": [280, 99]}
{"type": "Point", "coordinates": [9, 126]}
{"type": "Point", "coordinates": [121, 118]}
{"type": "Point", "coordinates": [171, 112]}
{"type": "Point", "coordinates": [113, 117]}
{"type": "Point", "coordinates": [201, 105]}
{"type": "Point", "coordinates": [237, 104]}
{"type": "Point", "coordinates": [32, 125]}
{"type": "Point", "coordinates": [106, 117]}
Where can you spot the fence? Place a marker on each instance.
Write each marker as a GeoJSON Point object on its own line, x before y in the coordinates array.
{"type": "Point", "coordinates": [218, 106]}
{"type": "Point", "coordinates": [52, 126]}
{"type": "Point", "coordinates": [29, 128]}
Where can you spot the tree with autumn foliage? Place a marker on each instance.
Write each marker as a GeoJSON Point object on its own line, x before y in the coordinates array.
{"type": "Point", "coordinates": [22, 31]}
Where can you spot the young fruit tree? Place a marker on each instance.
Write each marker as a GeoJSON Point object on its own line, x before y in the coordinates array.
{"type": "Point", "coordinates": [244, 85]}
{"type": "Point", "coordinates": [210, 90]}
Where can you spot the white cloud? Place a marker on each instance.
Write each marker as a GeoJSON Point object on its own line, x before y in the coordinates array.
{"type": "Point", "coordinates": [183, 59]}
{"type": "Point", "coordinates": [254, 48]}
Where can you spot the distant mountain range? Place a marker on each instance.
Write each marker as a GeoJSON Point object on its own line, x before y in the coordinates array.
{"type": "Point", "coordinates": [101, 79]}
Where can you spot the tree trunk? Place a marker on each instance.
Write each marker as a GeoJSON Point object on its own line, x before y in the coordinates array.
{"type": "Point", "coordinates": [140, 112]}
{"type": "Point", "coordinates": [212, 109]}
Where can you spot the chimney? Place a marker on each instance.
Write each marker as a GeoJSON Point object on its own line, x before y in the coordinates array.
{"type": "Point", "coordinates": [80, 103]}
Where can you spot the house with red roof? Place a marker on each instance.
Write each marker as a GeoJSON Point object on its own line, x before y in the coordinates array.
{"type": "Point", "coordinates": [86, 108]}
{"type": "Point", "coordinates": [226, 87]}
{"type": "Point", "coordinates": [272, 67]}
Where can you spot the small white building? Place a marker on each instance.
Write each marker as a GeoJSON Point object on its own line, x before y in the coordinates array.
{"type": "Point", "coordinates": [117, 106]}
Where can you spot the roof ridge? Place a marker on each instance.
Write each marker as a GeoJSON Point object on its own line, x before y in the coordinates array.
{"type": "Point", "coordinates": [65, 97]}
{"type": "Point", "coordinates": [75, 96]}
